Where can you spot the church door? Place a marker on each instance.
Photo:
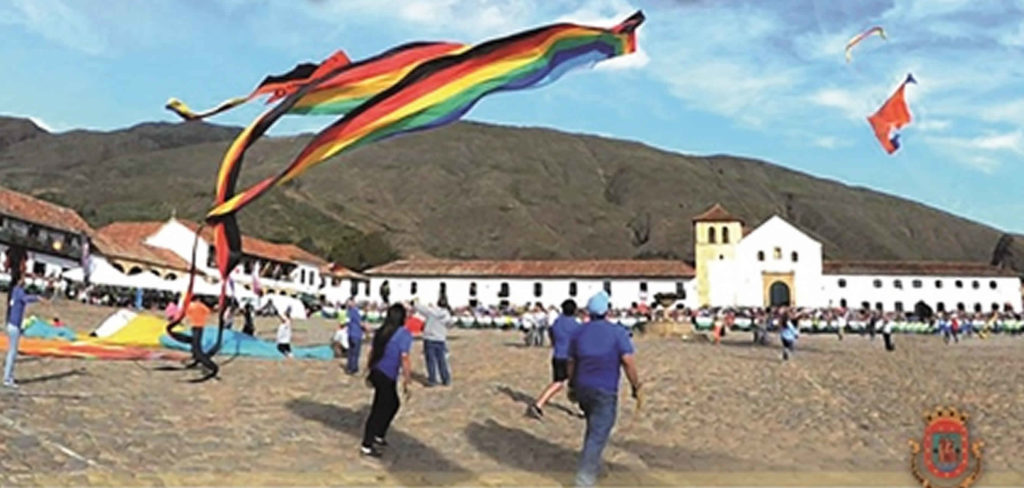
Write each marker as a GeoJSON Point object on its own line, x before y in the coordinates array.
{"type": "Point", "coordinates": [779, 293]}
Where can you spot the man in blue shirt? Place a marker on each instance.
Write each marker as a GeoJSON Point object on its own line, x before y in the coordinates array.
{"type": "Point", "coordinates": [596, 353]}
{"type": "Point", "coordinates": [355, 335]}
{"type": "Point", "coordinates": [15, 316]}
{"type": "Point", "coordinates": [561, 332]}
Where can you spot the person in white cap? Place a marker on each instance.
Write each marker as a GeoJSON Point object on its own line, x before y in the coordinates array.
{"type": "Point", "coordinates": [596, 352]}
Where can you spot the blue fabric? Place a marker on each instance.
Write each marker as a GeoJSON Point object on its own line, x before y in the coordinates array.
{"type": "Point", "coordinates": [561, 334]}
{"type": "Point", "coordinates": [355, 323]}
{"type": "Point", "coordinates": [597, 350]}
{"type": "Point", "coordinates": [600, 408]}
{"type": "Point", "coordinates": [355, 346]}
{"type": "Point", "coordinates": [236, 343]}
{"type": "Point", "coordinates": [598, 304]}
{"type": "Point", "coordinates": [13, 335]}
{"type": "Point", "coordinates": [790, 332]}
{"type": "Point", "coordinates": [391, 361]}
{"type": "Point", "coordinates": [16, 309]}
{"type": "Point", "coordinates": [437, 362]}
{"type": "Point", "coordinates": [39, 329]}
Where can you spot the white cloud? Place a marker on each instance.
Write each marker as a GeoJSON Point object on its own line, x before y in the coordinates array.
{"type": "Point", "coordinates": [853, 105]}
{"type": "Point", "coordinates": [59, 21]}
{"type": "Point", "coordinates": [932, 125]}
{"type": "Point", "coordinates": [985, 152]}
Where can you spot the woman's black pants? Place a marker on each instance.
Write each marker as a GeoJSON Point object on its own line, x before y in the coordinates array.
{"type": "Point", "coordinates": [385, 406]}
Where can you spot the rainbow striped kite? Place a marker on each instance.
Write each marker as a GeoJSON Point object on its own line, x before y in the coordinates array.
{"type": "Point", "coordinates": [442, 90]}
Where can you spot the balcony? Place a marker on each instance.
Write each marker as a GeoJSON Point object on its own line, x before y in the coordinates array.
{"type": "Point", "coordinates": [69, 247]}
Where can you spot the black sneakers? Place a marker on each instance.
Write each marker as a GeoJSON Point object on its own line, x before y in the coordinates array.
{"type": "Point", "coordinates": [379, 442]}
{"type": "Point", "coordinates": [370, 451]}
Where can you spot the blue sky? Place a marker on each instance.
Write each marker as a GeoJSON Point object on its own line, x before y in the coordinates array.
{"type": "Point", "coordinates": [764, 79]}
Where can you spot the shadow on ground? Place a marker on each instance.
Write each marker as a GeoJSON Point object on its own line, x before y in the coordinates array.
{"type": "Point", "coordinates": [405, 457]}
{"type": "Point", "coordinates": [527, 400]}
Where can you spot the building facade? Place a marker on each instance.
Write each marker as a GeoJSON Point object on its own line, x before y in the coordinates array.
{"type": "Point", "coordinates": [54, 237]}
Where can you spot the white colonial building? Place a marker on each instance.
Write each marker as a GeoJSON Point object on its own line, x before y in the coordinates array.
{"type": "Point", "coordinates": [54, 237]}
{"type": "Point", "coordinates": [771, 265]}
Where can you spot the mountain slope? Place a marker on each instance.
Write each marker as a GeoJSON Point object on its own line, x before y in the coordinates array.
{"type": "Point", "coordinates": [476, 191]}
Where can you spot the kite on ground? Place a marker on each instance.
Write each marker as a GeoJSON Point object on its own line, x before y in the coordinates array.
{"type": "Point", "coordinates": [434, 90]}
{"type": "Point", "coordinates": [893, 115]}
{"type": "Point", "coordinates": [860, 37]}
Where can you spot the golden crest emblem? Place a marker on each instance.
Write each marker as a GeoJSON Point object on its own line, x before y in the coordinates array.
{"type": "Point", "coordinates": [946, 454]}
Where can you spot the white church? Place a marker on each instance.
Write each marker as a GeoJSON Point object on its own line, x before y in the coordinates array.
{"type": "Point", "coordinates": [774, 264]}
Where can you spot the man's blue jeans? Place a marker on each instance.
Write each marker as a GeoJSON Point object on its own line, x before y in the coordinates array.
{"type": "Point", "coordinates": [354, 347]}
{"type": "Point", "coordinates": [13, 336]}
{"type": "Point", "coordinates": [600, 408]}
{"type": "Point", "coordinates": [437, 362]}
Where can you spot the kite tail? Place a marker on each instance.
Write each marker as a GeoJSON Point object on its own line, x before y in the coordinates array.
{"type": "Point", "coordinates": [183, 111]}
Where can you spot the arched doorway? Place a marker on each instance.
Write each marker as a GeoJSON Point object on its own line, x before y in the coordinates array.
{"type": "Point", "coordinates": [779, 294]}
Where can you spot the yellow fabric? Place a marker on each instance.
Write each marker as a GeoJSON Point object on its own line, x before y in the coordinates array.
{"type": "Point", "coordinates": [143, 330]}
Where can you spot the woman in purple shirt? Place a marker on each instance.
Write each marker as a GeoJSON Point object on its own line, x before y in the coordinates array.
{"type": "Point", "coordinates": [15, 315]}
{"type": "Point", "coordinates": [389, 355]}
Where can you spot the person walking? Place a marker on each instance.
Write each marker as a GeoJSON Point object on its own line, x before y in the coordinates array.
{"type": "Point", "coordinates": [562, 331]}
{"type": "Point", "coordinates": [15, 315]}
{"type": "Point", "coordinates": [790, 333]}
{"type": "Point", "coordinates": [435, 341]}
{"type": "Point", "coordinates": [248, 327]}
{"type": "Point", "coordinates": [596, 353]}
{"type": "Point", "coordinates": [389, 356]}
{"type": "Point", "coordinates": [887, 333]}
{"type": "Point", "coordinates": [284, 334]}
{"type": "Point", "coordinates": [355, 335]}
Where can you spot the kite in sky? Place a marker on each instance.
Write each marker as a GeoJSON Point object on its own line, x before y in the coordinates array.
{"type": "Point", "coordinates": [860, 37]}
{"type": "Point", "coordinates": [436, 89]}
{"type": "Point", "coordinates": [893, 115]}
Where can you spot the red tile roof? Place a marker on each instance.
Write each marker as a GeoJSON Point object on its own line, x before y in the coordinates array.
{"type": "Point", "coordinates": [286, 253]}
{"type": "Point", "coordinates": [126, 240]}
{"type": "Point", "coordinates": [31, 209]}
{"type": "Point", "coordinates": [538, 269]}
{"type": "Point", "coordinates": [717, 213]}
{"type": "Point", "coordinates": [338, 271]}
{"type": "Point", "coordinates": [923, 268]}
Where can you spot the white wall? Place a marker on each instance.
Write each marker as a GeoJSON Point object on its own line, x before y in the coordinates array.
{"type": "Point", "coordinates": [861, 288]}
{"type": "Point", "coordinates": [521, 291]}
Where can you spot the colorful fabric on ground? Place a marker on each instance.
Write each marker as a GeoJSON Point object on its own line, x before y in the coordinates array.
{"type": "Point", "coordinates": [238, 344]}
{"type": "Point", "coordinates": [893, 115]}
{"type": "Point", "coordinates": [40, 329]}
{"type": "Point", "coordinates": [442, 90]}
{"type": "Point", "coordinates": [141, 331]}
{"type": "Point", "coordinates": [860, 37]}
{"type": "Point", "coordinates": [88, 350]}
{"type": "Point", "coordinates": [116, 321]}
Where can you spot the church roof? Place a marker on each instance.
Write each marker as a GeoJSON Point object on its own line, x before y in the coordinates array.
{"type": "Point", "coordinates": [610, 268]}
{"type": "Point", "coordinates": [717, 213]}
{"type": "Point", "coordinates": [915, 268]}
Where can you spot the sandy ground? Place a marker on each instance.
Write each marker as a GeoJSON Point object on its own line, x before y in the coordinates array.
{"type": "Point", "coordinates": [840, 413]}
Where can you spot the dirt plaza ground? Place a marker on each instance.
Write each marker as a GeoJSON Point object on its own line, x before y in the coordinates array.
{"type": "Point", "coordinates": [838, 414]}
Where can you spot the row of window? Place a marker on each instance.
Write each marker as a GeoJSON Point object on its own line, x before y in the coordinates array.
{"type": "Point", "coordinates": [538, 288]}
{"type": "Point", "coordinates": [898, 284]}
{"type": "Point", "coordinates": [712, 237]}
{"type": "Point", "coordinates": [777, 255]}
{"type": "Point", "coordinates": [939, 307]}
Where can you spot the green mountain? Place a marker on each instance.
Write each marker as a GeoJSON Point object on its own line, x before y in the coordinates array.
{"type": "Point", "coordinates": [478, 191]}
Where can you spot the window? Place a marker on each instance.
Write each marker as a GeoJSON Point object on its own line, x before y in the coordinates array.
{"type": "Point", "coordinates": [877, 283]}
{"type": "Point", "coordinates": [992, 284]}
{"type": "Point", "coordinates": [721, 257]}
{"type": "Point", "coordinates": [412, 288]}
{"type": "Point", "coordinates": [572, 288]}
{"type": "Point", "coordinates": [898, 306]}
{"type": "Point", "coordinates": [977, 307]}
{"type": "Point", "coordinates": [898, 284]}
{"type": "Point", "coordinates": [503, 290]}
{"type": "Point", "coordinates": [472, 289]}
{"type": "Point", "coordinates": [793, 256]}
{"type": "Point", "coordinates": [39, 268]}
{"type": "Point", "coordinates": [916, 283]}
{"type": "Point", "coordinates": [711, 235]}
{"type": "Point", "coordinates": [302, 276]}
{"type": "Point", "coordinates": [538, 289]}
{"type": "Point", "coordinates": [680, 290]}
{"type": "Point", "coordinates": [643, 287]}
{"type": "Point", "coordinates": [938, 283]}
{"type": "Point", "coordinates": [842, 302]}
{"type": "Point", "coordinates": [777, 253]}
{"type": "Point", "coordinates": [442, 290]}
{"type": "Point", "coordinates": [878, 306]}
{"type": "Point", "coordinates": [995, 307]}
{"type": "Point", "coordinates": [353, 288]}
{"type": "Point", "coordinates": [975, 284]}
{"type": "Point", "coordinates": [842, 283]}
{"type": "Point", "coordinates": [366, 289]}
{"type": "Point", "coordinates": [725, 235]}
{"type": "Point", "coordinates": [940, 307]}
{"type": "Point", "coordinates": [760, 255]}
{"type": "Point", "coordinates": [960, 306]}
{"type": "Point", "coordinates": [608, 287]}
{"type": "Point", "coordinates": [865, 306]}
